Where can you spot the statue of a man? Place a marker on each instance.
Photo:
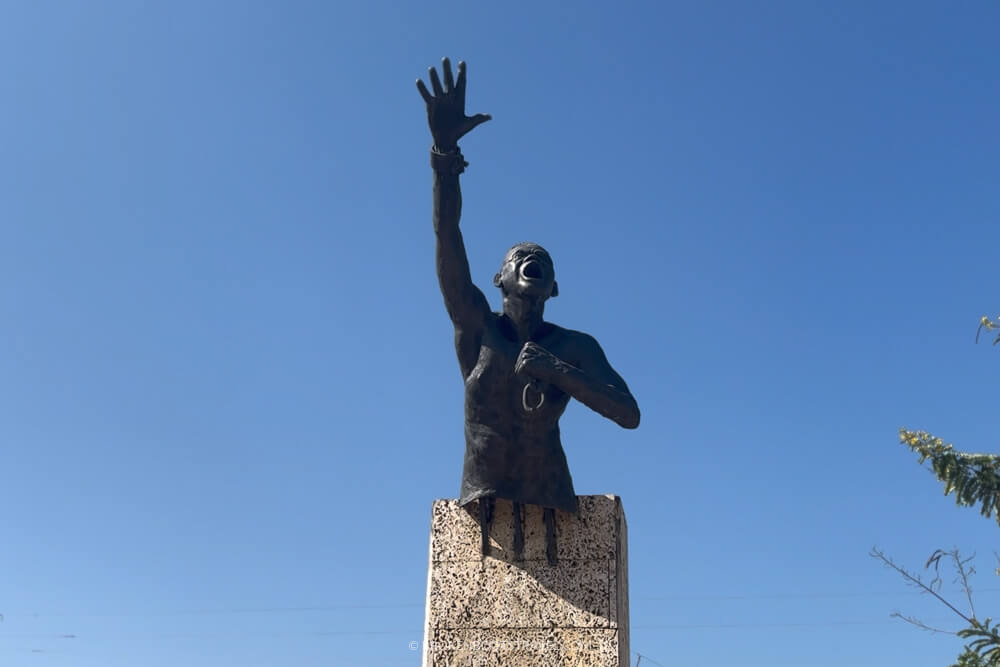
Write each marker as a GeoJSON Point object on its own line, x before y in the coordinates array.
{"type": "Point", "coordinates": [519, 370]}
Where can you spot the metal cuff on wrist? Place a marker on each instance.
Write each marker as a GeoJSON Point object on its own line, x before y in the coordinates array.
{"type": "Point", "coordinates": [450, 162]}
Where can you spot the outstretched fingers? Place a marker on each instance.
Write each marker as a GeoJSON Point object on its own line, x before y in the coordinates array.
{"type": "Point", "coordinates": [449, 81]}
{"type": "Point", "coordinates": [436, 82]}
{"type": "Point", "coordinates": [424, 93]}
{"type": "Point", "coordinates": [446, 104]}
{"type": "Point", "coordinates": [460, 84]}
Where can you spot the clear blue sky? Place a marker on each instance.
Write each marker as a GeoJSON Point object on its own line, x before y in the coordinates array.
{"type": "Point", "coordinates": [229, 393]}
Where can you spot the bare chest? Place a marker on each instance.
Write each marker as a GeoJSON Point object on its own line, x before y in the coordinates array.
{"type": "Point", "coordinates": [495, 395]}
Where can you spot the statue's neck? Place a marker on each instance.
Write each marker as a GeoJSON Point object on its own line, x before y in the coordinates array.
{"type": "Point", "coordinates": [526, 316]}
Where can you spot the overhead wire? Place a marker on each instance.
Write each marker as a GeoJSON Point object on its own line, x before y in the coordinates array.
{"type": "Point", "coordinates": [412, 605]}
{"type": "Point", "coordinates": [640, 658]}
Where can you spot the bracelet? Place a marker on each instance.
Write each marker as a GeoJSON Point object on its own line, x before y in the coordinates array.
{"type": "Point", "coordinates": [452, 162]}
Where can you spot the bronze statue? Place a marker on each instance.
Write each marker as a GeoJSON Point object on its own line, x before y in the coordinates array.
{"type": "Point", "coordinates": [519, 370]}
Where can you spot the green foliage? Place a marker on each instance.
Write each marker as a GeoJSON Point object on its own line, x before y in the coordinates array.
{"type": "Point", "coordinates": [987, 643]}
{"type": "Point", "coordinates": [973, 478]}
{"type": "Point", "coordinates": [970, 658]}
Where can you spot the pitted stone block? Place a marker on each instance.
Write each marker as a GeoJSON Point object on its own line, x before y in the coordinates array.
{"type": "Point", "coordinates": [493, 593]}
{"type": "Point", "coordinates": [528, 647]}
{"type": "Point", "coordinates": [591, 532]}
{"type": "Point", "coordinates": [502, 610]}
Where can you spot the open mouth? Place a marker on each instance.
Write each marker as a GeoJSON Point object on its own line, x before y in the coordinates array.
{"type": "Point", "coordinates": [532, 270]}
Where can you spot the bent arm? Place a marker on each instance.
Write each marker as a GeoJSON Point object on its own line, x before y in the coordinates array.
{"type": "Point", "coordinates": [595, 384]}
{"type": "Point", "coordinates": [466, 305]}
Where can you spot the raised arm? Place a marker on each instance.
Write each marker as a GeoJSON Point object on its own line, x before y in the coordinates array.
{"type": "Point", "coordinates": [448, 123]}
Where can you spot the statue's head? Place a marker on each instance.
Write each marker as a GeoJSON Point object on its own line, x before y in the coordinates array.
{"type": "Point", "coordinates": [527, 271]}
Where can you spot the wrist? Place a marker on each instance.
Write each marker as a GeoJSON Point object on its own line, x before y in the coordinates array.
{"type": "Point", "coordinates": [560, 372]}
{"type": "Point", "coordinates": [545, 369]}
{"type": "Point", "coordinates": [449, 161]}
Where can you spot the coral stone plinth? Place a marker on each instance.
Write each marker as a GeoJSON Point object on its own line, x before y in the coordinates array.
{"type": "Point", "coordinates": [502, 610]}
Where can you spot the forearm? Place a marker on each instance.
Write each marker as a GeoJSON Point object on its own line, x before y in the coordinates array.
{"type": "Point", "coordinates": [605, 399]}
{"type": "Point", "coordinates": [454, 276]}
{"type": "Point", "coordinates": [447, 201]}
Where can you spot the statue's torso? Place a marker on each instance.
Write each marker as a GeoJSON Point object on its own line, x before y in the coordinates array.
{"type": "Point", "coordinates": [513, 452]}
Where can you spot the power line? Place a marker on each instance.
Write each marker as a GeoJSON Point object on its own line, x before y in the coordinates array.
{"type": "Point", "coordinates": [793, 596]}
{"type": "Point", "coordinates": [349, 633]}
{"type": "Point", "coordinates": [413, 605]}
{"type": "Point", "coordinates": [205, 635]}
{"type": "Point", "coordinates": [209, 612]}
{"type": "Point", "coordinates": [640, 658]}
{"type": "Point", "coordinates": [729, 626]}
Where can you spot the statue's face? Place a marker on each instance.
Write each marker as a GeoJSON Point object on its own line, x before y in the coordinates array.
{"type": "Point", "coordinates": [527, 271]}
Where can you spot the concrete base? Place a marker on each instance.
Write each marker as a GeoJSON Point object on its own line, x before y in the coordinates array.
{"type": "Point", "coordinates": [497, 610]}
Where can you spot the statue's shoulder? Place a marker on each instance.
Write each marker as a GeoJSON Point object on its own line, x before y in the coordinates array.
{"type": "Point", "coordinates": [492, 321]}
{"type": "Point", "coordinates": [578, 348]}
{"type": "Point", "coordinates": [570, 337]}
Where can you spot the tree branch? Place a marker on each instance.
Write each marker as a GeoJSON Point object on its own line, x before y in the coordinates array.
{"type": "Point", "coordinates": [915, 580]}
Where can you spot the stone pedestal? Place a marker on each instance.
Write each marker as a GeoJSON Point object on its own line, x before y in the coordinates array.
{"type": "Point", "coordinates": [499, 610]}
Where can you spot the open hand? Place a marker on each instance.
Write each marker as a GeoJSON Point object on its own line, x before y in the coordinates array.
{"type": "Point", "coordinates": [446, 107]}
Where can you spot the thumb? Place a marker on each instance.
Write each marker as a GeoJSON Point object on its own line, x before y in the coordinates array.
{"type": "Point", "coordinates": [473, 121]}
